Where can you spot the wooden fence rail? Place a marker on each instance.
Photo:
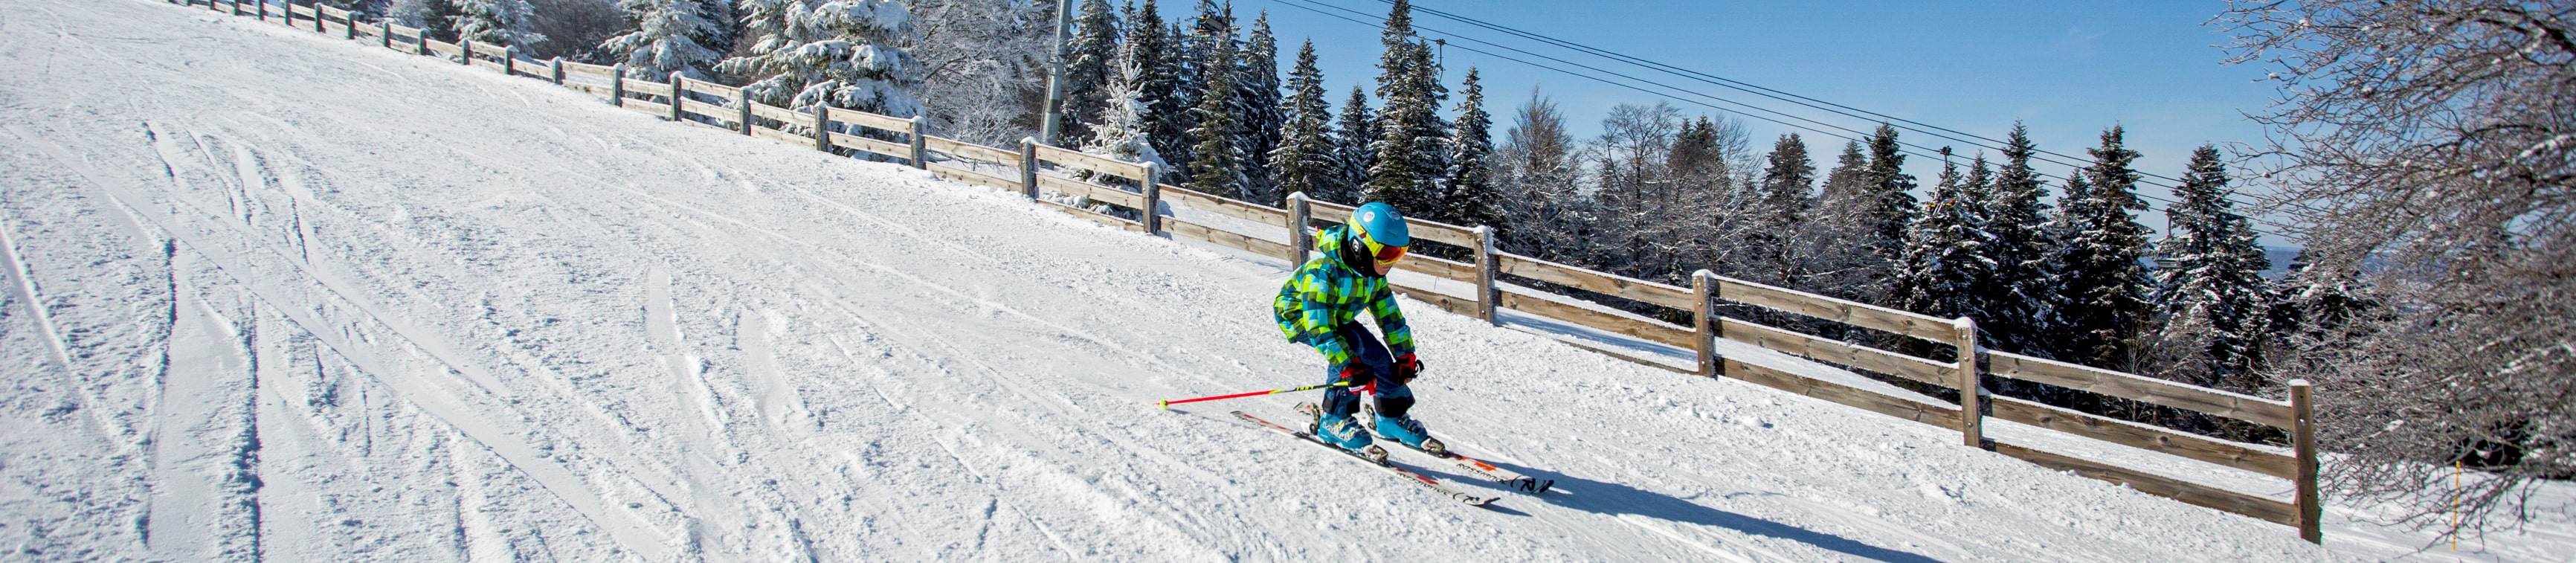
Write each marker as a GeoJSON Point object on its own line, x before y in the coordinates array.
{"type": "Point", "coordinates": [2149, 390]}
{"type": "Point", "coordinates": [1597, 282]}
{"type": "Point", "coordinates": [678, 98]}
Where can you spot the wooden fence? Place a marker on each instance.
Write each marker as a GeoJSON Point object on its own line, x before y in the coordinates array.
{"type": "Point", "coordinates": [1032, 168]}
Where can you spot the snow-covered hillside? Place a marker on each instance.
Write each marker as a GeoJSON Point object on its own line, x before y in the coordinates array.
{"type": "Point", "coordinates": [275, 295]}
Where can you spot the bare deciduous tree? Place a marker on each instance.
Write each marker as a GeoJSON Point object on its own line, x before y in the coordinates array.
{"type": "Point", "coordinates": [984, 66]}
{"type": "Point", "coordinates": [2429, 148]}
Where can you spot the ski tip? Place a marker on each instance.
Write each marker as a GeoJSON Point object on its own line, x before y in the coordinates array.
{"type": "Point", "coordinates": [1166, 404]}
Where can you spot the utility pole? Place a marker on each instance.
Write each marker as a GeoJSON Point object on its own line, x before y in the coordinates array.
{"type": "Point", "coordinates": [1055, 75]}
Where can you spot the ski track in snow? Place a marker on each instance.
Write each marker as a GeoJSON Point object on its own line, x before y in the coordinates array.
{"type": "Point", "coordinates": [24, 290]}
{"type": "Point", "coordinates": [306, 299]}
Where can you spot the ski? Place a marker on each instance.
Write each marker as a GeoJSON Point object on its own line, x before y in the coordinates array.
{"type": "Point", "coordinates": [1407, 474]}
{"type": "Point", "coordinates": [1508, 478]}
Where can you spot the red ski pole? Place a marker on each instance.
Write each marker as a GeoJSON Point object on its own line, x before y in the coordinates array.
{"type": "Point", "coordinates": [1167, 404]}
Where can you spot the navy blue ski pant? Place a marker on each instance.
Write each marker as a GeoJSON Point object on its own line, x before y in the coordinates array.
{"type": "Point", "coordinates": [1393, 398]}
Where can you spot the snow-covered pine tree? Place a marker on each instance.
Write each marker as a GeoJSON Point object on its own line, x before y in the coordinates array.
{"type": "Point", "coordinates": [1945, 257]}
{"type": "Point", "coordinates": [775, 30]}
{"type": "Point", "coordinates": [670, 36]}
{"type": "Point", "coordinates": [1355, 134]}
{"type": "Point", "coordinates": [727, 22]}
{"type": "Point", "coordinates": [1121, 130]}
{"type": "Point", "coordinates": [1218, 169]}
{"type": "Point", "coordinates": [1843, 184]}
{"type": "Point", "coordinates": [765, 23]}
{"type": "Point", "coordinates": [1772, 241]}
{"type": "Point", "coordinates": [1974, 191]}
{"type": "Point", "coordinates": [1258, 109]}
{"type": "Point", "coordinates": [1695, 158]}
{"type": "Point", "coordinates": [1304, 160]}
{"type": "Point", "coordinates": [505, 22]}
{"type": "Point", "coordinates": [1714, 205]}
{"type": "Point", "coordinates": [1843, 263]}
{"type": "Point", "coordinates": [2103, 287]}
{"type": "Point", "coordinates": [1891, 213]}
{"type": "Point", "coordinates": [2015, 303]}
{"type": "Point", "coordinates": [1199, 41]}
{"type": "Point", "coordinates": [2210, 293]}
{"type": "Point", "coordinates": [1409, 155]}
{"type": "Point", "coordinates": [2063, 225]}
{"type": "Point", "coordinates": [435, 18]}
{"type": "Point", "coordinates": [1090, 63]}
{"type": "Point", "coordinates": [2314, 308]}
{"type": "Point", "coordinates": [876, 75]}
{"type": "Point", "coordinates": [1472, 199]}
{"type": "Point", "coordinates": [840, 53]}
{"type": "Point", "coordinates": [1157, 58]}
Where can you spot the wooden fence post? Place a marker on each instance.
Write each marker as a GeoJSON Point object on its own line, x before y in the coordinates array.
{"type": "Point", "coordinates": [617, 85]}
{"type": "Point", "coordinates": [743, 96]}
{"type": "Point", "coordinates": [317, 18]}
{"type": "Point", "coordinates": [554, 69]}
{"type": "Point", "coordinates": [1704, 325]}
{"type": "Point", "coordinates": [676, 93]}
{"type": "Point", "coordinates": [349, 29]}
{"type": "Point", "coordinates": [263, 10]}
{"type": "Point", "coordinates": [919, 146]}
{"type": "Point", "coordinates": [1297, 236]}
{"type": "Point", "coordinates": [1972, 417]}
{"type": "Point", "coordinates": [385, 39]}
{"type": "Point", "coordinates": [822, 127]}
{"type": "Point", "coordinates": [1029, 167]}
{"type": "Point", "coordinates": [464, 48]}
{"type": "Point", "coordinates": [2303, 441]}
{"type": "Point", "coordinates": [1485, 292]}
{"type": "Point", "coordinates": [1153, 219]}
{"type": "Point", "coordinates": [510, 60]}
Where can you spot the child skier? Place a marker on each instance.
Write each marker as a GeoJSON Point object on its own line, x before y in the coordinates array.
{"type": "Point", "coordinates": [1320, 306]}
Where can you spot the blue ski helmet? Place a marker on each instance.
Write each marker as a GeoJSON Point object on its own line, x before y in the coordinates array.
{"type": "Point", "coordinates": [1379, 222]}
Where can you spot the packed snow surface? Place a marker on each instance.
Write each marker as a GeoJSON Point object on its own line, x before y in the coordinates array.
{"type": "Point", "coordinates": [274, 295]}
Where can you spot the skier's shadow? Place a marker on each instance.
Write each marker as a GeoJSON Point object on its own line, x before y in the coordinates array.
{"type": "Point", "coordinates": [1612, 499]}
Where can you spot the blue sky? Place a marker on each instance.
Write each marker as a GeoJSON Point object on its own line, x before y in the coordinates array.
{"type": "Point", "coordinates": [2068, 69]}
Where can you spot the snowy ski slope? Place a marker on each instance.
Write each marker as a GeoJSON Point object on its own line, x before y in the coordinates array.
{"type": "Point", "coordinates": [272, 295]}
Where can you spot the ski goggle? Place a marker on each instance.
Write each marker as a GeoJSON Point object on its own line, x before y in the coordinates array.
{"type": "Point", "coordinates": [1385, 255]}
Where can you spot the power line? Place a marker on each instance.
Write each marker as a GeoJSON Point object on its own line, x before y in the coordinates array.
{"type": "Point", "coordinates": [1827, 106]}
{"type": "Point", "coordinates": [1839, 109]}
{"type": "Point", "coordinates": [1919, 149]}
{"type": "Point", "coordinates": [1681, 94]}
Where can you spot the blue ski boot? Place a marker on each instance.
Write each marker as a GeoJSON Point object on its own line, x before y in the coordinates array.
{"type": "Point", "coordinates": [1342, 432]}
{"type": "Point", "coordinates": [1408, 431]}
